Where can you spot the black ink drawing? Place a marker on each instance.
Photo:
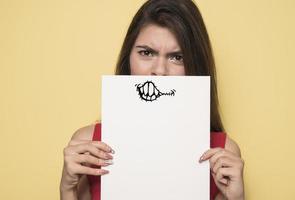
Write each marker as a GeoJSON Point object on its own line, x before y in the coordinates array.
{"type": "Point", "coordinates": [149, 92]}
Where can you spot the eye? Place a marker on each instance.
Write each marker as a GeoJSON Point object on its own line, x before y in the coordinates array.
{"type": "Point", "coordinates": [177, 59]}
{"type": "Point", "coordinates": [145, 53]}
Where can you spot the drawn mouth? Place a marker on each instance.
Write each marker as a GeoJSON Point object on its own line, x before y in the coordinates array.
{"type": "Point", "coordinates": [149, 92]}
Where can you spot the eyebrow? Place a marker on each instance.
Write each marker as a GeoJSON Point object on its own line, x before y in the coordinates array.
{"type": "Point", "coordinates": [156, 52]}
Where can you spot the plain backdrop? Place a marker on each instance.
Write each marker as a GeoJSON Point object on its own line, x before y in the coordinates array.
{"type": "Point", "coordinates": [52, 56]}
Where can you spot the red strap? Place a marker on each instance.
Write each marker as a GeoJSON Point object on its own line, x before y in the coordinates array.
{"type": "Point", "coordinates": [95, 181]}
{"type": "Point", "coordinates": [97, 132]}
{"type": "Point", "coordinates": [217, 139]}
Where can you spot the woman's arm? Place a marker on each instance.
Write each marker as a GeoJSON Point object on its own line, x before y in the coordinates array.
{"type": "Point", "coordinates": [79, 155]}
{"type": "Point", "coordinates": [219, 196]}
{"type": "Point", "coordinates": [72, 191]}
{"type": "Point", "coordinates": [227, 170]}
{"type": "Point", "coordinates": [66, 192]}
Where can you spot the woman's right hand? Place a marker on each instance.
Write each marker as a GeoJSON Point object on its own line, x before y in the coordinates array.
{"type": "Point", "coordinates": [84, 157]}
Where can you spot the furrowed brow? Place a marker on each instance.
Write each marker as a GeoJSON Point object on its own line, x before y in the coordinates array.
{"type": "Point", "coordinates": [147, 48]}
{"type": "Point", "coordinates": [173, 53]}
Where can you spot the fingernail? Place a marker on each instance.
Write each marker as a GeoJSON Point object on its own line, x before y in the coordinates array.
{"type": "Point", "coordinates": [201, 159]}
{"type": "Point", "coordinates": [224, 181]}
{"type": "Point", "coordinates": [109, 156]}
{"type": "Point", "coordinates": [105, 172]}
{"type": "Point", "coordinates": [110, 162]}
{"type": "Point", "coordinates": [102, 171]}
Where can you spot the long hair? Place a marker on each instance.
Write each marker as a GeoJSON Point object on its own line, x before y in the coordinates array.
{"type": "Point", "coordinates": [184, 20]}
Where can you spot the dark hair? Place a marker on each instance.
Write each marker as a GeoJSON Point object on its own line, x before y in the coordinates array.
{"type": "Point", "coordinates": [184, 20]}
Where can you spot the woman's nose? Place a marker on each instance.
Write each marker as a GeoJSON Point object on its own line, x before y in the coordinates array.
{"type": "Point", "coordinates": [159, 67]}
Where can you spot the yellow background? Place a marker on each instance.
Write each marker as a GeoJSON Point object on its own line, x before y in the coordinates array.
{"type": "Point", "coordinates": [52, 54]}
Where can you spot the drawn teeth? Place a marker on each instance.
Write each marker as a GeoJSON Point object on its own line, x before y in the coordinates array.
{"type": "Point", "coordinates": [151, 88]}
{"type": "Point", "coordinates": [145, 89]}
{"type": "Point", "coordinates": [149, 92]}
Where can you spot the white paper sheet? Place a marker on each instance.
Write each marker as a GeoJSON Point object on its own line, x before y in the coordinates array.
{"type": "Point", "coordinates": [157, 142]}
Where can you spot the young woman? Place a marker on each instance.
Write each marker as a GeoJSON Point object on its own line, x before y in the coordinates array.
{"type": "Point", "coordinates": [165, 37]}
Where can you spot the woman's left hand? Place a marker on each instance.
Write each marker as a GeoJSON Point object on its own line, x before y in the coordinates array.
{"type": "Point", "coordinates": [227, 171]}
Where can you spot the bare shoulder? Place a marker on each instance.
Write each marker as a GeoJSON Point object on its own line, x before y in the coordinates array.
{"type": "Point", "coordinates": [232, 146]}
{"type": "Point", "coordinates": [84, 133]}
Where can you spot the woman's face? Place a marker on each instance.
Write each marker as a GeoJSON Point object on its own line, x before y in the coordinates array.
{"type": "Point", "coordinates": [156, 52]}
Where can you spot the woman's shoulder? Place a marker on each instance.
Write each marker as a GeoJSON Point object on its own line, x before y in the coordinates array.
{"type": "Point", "coordinates": [84, 133]}
{"type": "Point", "coordinates": [232, 146]}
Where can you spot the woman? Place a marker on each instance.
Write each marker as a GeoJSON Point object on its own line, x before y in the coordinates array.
{"type": "Point", "coordinates": [165, 37]}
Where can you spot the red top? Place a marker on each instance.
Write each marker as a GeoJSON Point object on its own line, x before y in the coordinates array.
{"type": "Point", "coordinates": [217, 140]}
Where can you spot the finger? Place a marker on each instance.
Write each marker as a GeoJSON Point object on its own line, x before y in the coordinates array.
{"type": "Point", "coordinates": [224, 181]}
{"type": "Point", "coordinates": [226, 159]}
{"type": "Point", "coordinates": [232, 172]}
{"type": "Point", "coordinates": [209, 153]}
{"type": "Point", "coordinates": [223, 173]}
{"type": "Point", "coordinates": [221, 162]}
{"type": "Point", "coordinates": [90, 171]}
{"type": "Point", "coordinates": [83, 148]}
{"type": "Point", "coordinates": [216, 151]}
{"type": "Point", "coordinates": [221, 186]}
{"type": "Point", "coordinates": [213, 159]}
{"type": "Point", "coordinates": [103, 146]}
{"type": "Point", "coordinates": [100, 145]}
{"type": "Point", "coordinates": [221, 181]}
{"type": "Point", "coordinates": [225, 155]}
{"type": "Point", "coordinates": [88, 159]}
{"type": "Point", "coordinates": [93, 161]}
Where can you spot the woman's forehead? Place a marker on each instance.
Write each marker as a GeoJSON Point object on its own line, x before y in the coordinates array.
{"type": "Point", "coordinates": [157, 37]}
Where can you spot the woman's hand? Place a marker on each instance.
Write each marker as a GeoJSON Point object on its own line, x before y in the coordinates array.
{"type": "Point", "coordinates": [227, 171]}
{"type": "Point", "coordinates": [84, 157]}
